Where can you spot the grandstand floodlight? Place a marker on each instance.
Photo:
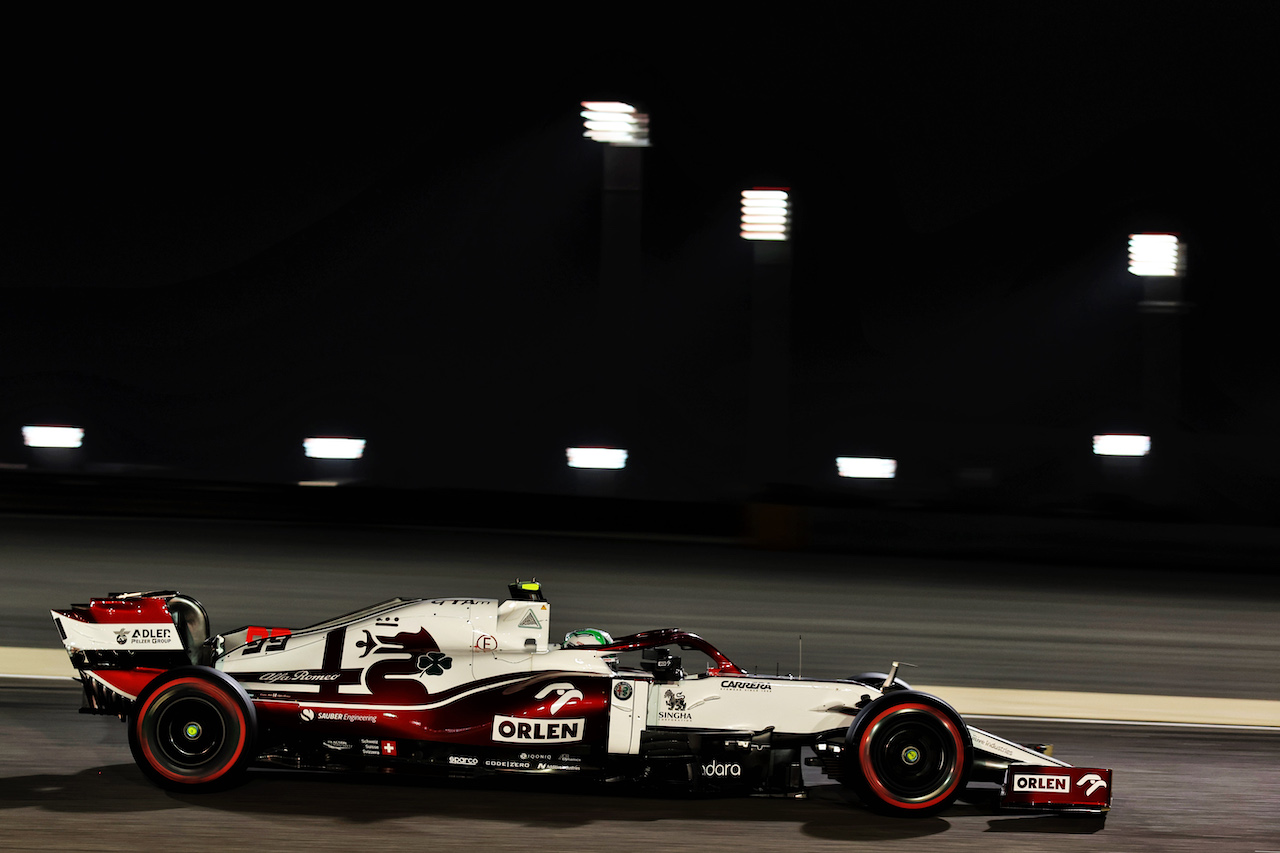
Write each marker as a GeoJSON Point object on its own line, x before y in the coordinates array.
{"type": "Point", "coordinates": [765, 214]}
{"type": "Point", "coordinates": [866, 467]}
{"type": "Point", "coordinates": [323, 447]}
{"type": "Point", "coordinates": [1121, 445]}
{"type": "Point", "coordinates": [1156, 254]}
{"type": "Point", "coordinates": [612, 458]}
{"type": "Point", "coordinates": [615, 123]}
{"type": "Point", "coordinates": [52, 436]}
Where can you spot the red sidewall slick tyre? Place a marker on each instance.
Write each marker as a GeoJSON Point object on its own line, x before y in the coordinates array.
{"type": "Point", "coordinates": [193, 729]}
{"type": "Point", "coordinates": [908, 754]}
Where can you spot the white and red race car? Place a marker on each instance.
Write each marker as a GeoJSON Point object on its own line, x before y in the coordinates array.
{"type": "Point", "coordinates": [467, 687]}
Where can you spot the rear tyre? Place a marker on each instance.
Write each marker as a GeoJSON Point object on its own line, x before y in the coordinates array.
{"type": "Point", "coordinates": [193, 729]}
{"type": "Point", "coordinates": [907, 754]}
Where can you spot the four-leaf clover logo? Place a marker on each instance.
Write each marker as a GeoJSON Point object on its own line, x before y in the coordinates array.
{"type": "Point", "coordinates": [434, 663]}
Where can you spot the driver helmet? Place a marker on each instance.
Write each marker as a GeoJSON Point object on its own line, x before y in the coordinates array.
{"type": "Point", "coordinates": [587, 637]}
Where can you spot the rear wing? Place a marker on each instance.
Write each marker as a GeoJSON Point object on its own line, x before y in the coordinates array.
{"type": "Point", "coordinates": [120, 642]}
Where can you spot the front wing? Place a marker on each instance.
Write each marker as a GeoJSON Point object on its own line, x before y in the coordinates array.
{"type": "Point", "coordinates": [1046, 787]}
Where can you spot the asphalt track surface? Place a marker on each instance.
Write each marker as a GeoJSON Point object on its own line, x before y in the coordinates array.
{"type": "Point", "coordinates": [66, 778]}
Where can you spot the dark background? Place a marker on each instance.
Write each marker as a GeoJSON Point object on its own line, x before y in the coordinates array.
{"type": "Point", "coordinates": [222, 235]}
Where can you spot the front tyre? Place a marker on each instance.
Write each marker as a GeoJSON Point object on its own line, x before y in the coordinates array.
{"type": "Point", "coordinates": [193, 729]}
{"type": "Point", "coordinates": [907, 754]}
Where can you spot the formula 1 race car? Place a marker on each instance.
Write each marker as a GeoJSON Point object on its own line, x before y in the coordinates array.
{"type": "Point", "coordinates": [469, 687]}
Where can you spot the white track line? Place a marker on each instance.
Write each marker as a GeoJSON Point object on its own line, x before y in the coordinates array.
{"type": "Point", "coordinates": [1148, 723]}
{"type": "Point", "coordinates": [1121, 707]}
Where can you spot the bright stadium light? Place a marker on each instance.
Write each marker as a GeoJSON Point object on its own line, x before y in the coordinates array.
{"type": "Point", "coordinates": [319, 447]}
{"type": "Point", "coordinates": [765, 214]}
{"type": "Point", "coordinates": [1121, 445]}
{"type": "Point", "coordinates": [866, 467]}
{"type": "Point", "coordinates": [615, 123]}
{"type": "Point", "coordinates": [596, 457]}
{"type": "Point", "coordinates": [52, 436]}
{"type": "Point", "coordinates": [1156, 254]}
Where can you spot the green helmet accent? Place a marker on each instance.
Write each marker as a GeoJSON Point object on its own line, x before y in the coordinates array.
{"type": "Point", "coordinates": [588, 637]}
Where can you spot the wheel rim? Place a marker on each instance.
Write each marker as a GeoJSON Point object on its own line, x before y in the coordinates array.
{"type": "Point", "coordinates": [910, 756]}
{"type": "Point", "coordinates": [190, 731]}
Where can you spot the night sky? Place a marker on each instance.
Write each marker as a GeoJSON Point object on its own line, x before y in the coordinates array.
{"type": "Point", "coordinates": [219, 236]}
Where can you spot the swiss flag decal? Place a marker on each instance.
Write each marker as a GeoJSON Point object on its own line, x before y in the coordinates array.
{"type": "Point", "coordinates": [388, 747]}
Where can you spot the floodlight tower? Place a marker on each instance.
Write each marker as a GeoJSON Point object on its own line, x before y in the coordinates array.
{"type": "Point", "coordinates": [624, 132]}
{"type": "Point", "coordinates": [766, 223]}
{"type": "Point", "coordinates": [1159, 259]}
{"type": "Point", "coordinates": [335, 459]}
{"type": "Point", "coordinates": [54, 447]}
